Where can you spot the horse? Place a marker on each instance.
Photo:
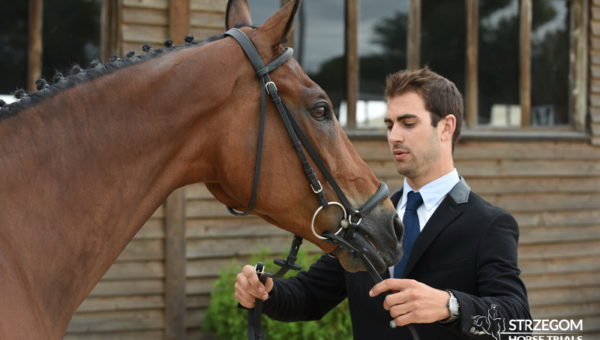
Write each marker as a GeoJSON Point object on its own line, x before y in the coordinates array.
{"type": "Point", "coordinates": [88, 159]}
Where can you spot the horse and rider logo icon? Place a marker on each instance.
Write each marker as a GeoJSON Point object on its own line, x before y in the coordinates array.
{"type": "Point", "coordinates": [489, 324]}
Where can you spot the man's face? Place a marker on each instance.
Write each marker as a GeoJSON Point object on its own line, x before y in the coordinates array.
{"type": "Point", "coordinates": [414, 143]}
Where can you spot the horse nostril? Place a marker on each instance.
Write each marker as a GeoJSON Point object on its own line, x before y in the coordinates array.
{"type": "Point", "coordinates": [398, 227]}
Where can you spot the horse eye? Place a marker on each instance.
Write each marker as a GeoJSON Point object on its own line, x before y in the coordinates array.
{"type": "Point", "coordinates": [319, 112]}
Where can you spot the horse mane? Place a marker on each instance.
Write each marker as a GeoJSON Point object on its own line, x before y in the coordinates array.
{"type": "Point", "coordinates": [95, 69]}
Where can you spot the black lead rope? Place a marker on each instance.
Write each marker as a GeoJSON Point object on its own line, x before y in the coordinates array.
{"type": "Point", "coordinates": [255, 330]}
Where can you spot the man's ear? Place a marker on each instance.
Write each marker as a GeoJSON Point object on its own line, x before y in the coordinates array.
{"type": "Point", "coordinates": [237, 13]}
{"type": "Point", "coordinates": [447, 126]}
{"type": "Point", "coordinates": [278, 26]}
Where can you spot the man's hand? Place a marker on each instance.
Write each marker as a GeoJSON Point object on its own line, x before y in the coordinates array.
{"type": "Point", "coordinates": [248, 287]}
{"type": "Point", "coordinates": [412, 301]}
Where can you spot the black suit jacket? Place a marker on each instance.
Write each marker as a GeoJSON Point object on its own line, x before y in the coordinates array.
{"type": "Point", "coordinates": [467, 246]}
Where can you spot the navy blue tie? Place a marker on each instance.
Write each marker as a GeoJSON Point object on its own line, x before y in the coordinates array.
{"type": "Point", "coordinates": [411, 230]}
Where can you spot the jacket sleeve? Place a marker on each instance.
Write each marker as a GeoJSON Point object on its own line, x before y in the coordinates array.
{"type": "Point", "coordinates": [502, 296]}
{"type": "Point", "coordinates": [309, 295]}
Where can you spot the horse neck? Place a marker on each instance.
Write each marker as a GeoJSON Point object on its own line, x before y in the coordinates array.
{"type": "Point", "coordinates": [88, 167]}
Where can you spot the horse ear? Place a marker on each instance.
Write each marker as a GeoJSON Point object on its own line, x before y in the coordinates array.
{"type": "Point", "coordinates": [279, 25]}
{"type": "Point", "coordinates": [237, 13]}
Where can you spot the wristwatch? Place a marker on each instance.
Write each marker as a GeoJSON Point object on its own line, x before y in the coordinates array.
{"type": "Point", "coordinates": [453, 308]}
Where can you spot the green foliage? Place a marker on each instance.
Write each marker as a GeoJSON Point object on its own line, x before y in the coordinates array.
{"type": "Point", "coordinates": [227, 321]}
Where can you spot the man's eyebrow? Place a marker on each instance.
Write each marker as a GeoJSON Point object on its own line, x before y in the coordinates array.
{"type": "Point", "coordinates": [401, 117]}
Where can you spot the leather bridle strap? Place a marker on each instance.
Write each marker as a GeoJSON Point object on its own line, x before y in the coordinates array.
{"type": "Point", "coordinates": [297, 137]}
{"type": "Point", "coordinates": [267, 85]}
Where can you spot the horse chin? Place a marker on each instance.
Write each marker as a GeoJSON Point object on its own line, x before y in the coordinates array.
{"type": "Point", "coordinates": [381, 261]}
{"type": "Point", "coordinates": [381, 250]}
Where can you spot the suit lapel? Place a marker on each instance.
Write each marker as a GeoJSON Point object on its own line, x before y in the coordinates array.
{"type": "Point", "coordinates": [451, 207]}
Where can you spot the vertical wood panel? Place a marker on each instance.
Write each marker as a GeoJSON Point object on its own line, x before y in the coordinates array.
{"type": "Point", "coordinates": [525, 62]}
{"type": "Point", "coordinates": [352, 63]}
{"type": "Point", "coordinates": [179, 20]}
{"type": "Point", "coordinates": [472, 62]}
{"type": "Point", "coordinates": [34, 44]}
{"type": "Point", "coordinates": [175, 271]}
{"type": "Point", "coordinates": [110, 34]}
{"type": "Point", "coordinates": [413, 48]}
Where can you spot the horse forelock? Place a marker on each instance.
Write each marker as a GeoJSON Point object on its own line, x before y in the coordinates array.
{"type": "Point", "coordinates": [95, 69]}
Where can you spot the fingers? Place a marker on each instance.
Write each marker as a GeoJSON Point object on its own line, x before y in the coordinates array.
{"type": "Point", "coordinates": [248, 287]}
{"type": "Point", "coordinates": [391, 284]}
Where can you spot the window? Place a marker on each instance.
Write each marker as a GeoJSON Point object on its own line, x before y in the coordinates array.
{"type": "Point", "coordinates": [520, 64]}
{"type": "Point", "coordinates": [39, 38]}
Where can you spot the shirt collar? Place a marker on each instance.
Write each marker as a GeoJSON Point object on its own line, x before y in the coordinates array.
{"type": "Point", "coordinates": [434, 191]}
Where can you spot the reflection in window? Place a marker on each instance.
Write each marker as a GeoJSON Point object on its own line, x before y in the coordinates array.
{"type": "Point", "coordinates": [382, 50]}
{"type": "Point", "coordinates": [550, 63]}
{"type": "Point", "coordinates": [13, 46]}
{"type": "Point", "coordinates": [443, 39]}
{"type": "Point", "coordinates": [499, 63]}
{"type": "Point", "coordinates": [71, 35]}
{"type": "Point", "coordinates": [320, 45]}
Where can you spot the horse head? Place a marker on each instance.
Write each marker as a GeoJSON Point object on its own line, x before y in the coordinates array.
{"type": "Point", "coordinates": [285, 197]}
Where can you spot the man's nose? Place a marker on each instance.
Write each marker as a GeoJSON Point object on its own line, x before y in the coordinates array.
{"type": "Point", "coordinates": [395, 135]}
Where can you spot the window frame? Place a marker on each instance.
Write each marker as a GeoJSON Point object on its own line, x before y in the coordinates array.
{"type": "Point", "coordinates": [578, 77]}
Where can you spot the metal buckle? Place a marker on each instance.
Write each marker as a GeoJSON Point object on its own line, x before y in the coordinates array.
{"type": "Point", "coordinates": [270, 83]}
{"type": "Point", "coordinates": [317, 191]}
{"type": "Point", "coordinates": [312, 223]}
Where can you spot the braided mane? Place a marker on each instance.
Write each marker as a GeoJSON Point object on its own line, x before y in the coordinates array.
{"type": "Point", "coordinates": [95, 69]}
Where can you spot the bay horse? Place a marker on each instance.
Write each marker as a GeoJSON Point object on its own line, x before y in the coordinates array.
{"type": "Point", "coordinates": [87, 160]}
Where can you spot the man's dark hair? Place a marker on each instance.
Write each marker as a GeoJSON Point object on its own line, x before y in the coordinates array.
{"type": "Point", "coordinates": [440, 95]}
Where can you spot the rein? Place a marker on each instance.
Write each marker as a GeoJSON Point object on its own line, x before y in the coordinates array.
{"type": "Point", "coordinates": [352, 217]}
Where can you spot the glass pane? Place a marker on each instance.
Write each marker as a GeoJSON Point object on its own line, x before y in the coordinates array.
{"type": "Point", "coordinates": [382, 50]}
{"type": "Point", "coordinates": [71, 34]}
{"type": "Point", "coordinates": [13, 46]}
{"type": "Point", "coordinates": [319, 45]}
{"type": "Point", "coordinates": [262, 10]}
{"type": "Point", "coordinates": [443, 39]}
{"type": "Point", "coordinates": [498, 73]}
{"type": "Point", "coordinates": [550, 57]}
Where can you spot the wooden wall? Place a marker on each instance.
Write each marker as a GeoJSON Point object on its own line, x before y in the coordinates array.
{"type": "Point", "coordinates": [552, 187]}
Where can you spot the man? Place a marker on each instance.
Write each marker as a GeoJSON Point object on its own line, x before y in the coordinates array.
{"type": "Point", "coordinates": [460, 258]}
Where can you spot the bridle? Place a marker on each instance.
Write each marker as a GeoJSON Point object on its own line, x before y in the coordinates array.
{"type": "Point", "coordinates": [352, 217]}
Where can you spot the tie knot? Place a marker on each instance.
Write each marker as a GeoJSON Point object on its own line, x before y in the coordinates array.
{"type": "Point", "coordinates": [414, 200]}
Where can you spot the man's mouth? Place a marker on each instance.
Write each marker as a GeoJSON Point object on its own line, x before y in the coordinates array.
{"type": "Point", "coordinates": [400, 154]}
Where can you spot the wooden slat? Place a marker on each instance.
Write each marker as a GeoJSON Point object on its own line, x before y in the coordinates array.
{"type": "Point", "coordinates": [145, 16]}
{"type": "Point", "coordinates": [560, 234]}
{"type": "Point", "coordinates": [140, 250]}
{"type": "Point", "coordinates": [135, 270]}
{"type": "Point", "coordinates": [117, 321]}
{"type": "Point", "coordinates": [559, 295]}
{"type": "Point", "coordinates": [525, 62]}
{"type": "Point", "coordinates": [471, 79]}
{"type": "Point", "coordinates": [156, 4]}
{"type": "Point", "coordinates": [221, 228]}
{"type": "Point", "coordinates": [413, 48]}
{"type": "Point", "coordinates": [179, 20]}
{"type": "Point", "coordinates": [352, 61]}
{"type": "Point", "coordinates": [571, 280]}
{"type": "Point", "coordinates": [124, 335]}
{"type": "Point", "coordinates": [207, 20]}
{"type": "Point", "coordinates": [145, 34]}
{"type": "Point", "coordinates": [34, 43]}
{"type": "Point", "coordinates": [175, 265]}
{"type": "Point", "coordinates": [104, 304]}
{"type": "Point", "coordinates": [109, 288]}
{"type": "Point", "coordinates": [209, 6]}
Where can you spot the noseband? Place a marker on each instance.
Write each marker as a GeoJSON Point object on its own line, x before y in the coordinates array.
{"type": "Point", "coordinates": [352, 217]}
